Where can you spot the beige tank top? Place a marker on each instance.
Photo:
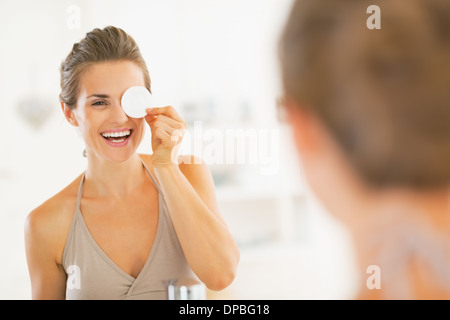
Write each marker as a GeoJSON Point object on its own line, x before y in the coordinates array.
{"type": "Point", "coordinates": [92, 275]}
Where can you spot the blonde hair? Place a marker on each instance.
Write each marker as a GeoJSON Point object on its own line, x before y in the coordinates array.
{"type": "Point", "coordinates": [383, 94]}
{"type": "Point", "coordinates": [99, 45]}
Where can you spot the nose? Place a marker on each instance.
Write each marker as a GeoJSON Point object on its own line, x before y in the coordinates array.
{"type": "Point", "coordinates": [117, 114]}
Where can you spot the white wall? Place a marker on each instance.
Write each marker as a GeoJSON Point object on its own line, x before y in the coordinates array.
{"type": "Point", "coordinates": [215, 61]}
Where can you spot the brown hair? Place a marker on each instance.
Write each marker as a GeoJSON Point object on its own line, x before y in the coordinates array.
{"type": "Point", "coordinates": [99, 45]}
{"type": "Point", "coordinates": [384, 94]}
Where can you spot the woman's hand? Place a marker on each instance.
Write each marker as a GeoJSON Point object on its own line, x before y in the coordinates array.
{"type": "Point", "coordinates": [167, 128]}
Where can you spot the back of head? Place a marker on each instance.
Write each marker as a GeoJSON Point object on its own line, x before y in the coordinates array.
{"type": "Point", "coordinates": [383, 94]}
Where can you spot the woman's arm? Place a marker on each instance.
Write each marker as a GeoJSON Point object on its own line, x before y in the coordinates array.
{"type": "Point", "coordinates": [204, 236]}
{"type": "Point", "coordinates": [189, 192]}
{"type": "Point", "coordinates": [48, 279]}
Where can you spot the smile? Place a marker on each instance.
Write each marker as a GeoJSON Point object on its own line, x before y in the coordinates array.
{"type": "Point", "coordinates": [117, 138]}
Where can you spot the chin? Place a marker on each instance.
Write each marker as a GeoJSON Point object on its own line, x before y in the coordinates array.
{"type": "Point", "coordinates": [116, 156]}
{"type": "Point", "coordinates": [120, 157]}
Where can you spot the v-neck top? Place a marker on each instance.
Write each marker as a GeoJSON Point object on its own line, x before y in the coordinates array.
{"type": "Point", "coordinates": [92, 275]}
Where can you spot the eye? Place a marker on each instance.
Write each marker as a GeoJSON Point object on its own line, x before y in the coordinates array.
{"type": "Point", "coordinates": [99, 103]}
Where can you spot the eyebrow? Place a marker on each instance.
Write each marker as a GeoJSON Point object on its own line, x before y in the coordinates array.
{"type": "Point", "coordinates": [98, 95]}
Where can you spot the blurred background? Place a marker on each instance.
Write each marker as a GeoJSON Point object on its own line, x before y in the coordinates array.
{"type": "Point", "coordinates": [215, 61]}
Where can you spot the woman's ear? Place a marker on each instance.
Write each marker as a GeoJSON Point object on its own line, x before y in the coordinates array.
{"type": "Point", "coordinates": [303, 126]}
{"type": "Point", "coordinates": [69, 114]}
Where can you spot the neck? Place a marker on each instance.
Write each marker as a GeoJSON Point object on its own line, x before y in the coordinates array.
{"type": "Point", "coordinates": [114, 179]}
{"type": "Point", "coordinates": [398, 223]}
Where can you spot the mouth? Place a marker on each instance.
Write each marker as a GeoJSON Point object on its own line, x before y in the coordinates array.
{"type": "Point", "coordinates": [117, 136]}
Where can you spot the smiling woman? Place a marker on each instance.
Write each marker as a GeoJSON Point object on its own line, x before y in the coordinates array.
{"type": "Point", "coordinates": [130, 222]}
{"type": "Point", "coordinates": [100, 90]}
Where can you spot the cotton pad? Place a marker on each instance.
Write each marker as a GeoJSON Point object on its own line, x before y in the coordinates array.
{"type": "Point", "coordinates": [135, 100]}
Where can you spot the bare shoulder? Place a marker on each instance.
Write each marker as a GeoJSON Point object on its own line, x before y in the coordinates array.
{"type": "Point", "coordinates": [50, 222]}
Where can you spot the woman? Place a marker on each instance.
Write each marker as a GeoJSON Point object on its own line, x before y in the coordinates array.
{"type": "Point", "coordinates": [370, 112]}
{"type": "Point", "coordinates": [130, 222]}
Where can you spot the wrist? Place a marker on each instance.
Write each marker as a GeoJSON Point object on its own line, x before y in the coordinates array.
{"type": "Point", "coordinates": [164, 164]}
{"type": "Point", "coordinates": [163, 160]}
{"type": "Point", "coordinates": [165, 171]}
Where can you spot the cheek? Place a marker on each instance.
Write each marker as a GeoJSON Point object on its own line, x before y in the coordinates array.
{"type": "Point", "coordinates": [88, 124]}
{"type": "Point", "coordinates": [82, 124]}
{"type": "Point", "coordinates": [140, 129]}
{"type": "Point", "coordinates": [311, 161]}
{"type": "Point", "coordinates": [297, 137]}
{"type": "Point", "coordinates": [298, 133]}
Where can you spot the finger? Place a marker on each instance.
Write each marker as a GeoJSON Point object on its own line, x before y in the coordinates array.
{"type": "Point", "coordinates": [171, 122]}
{"type": "Point", "coordinates": [150, 118]}
{"type": "Point", "coordinates": [163, 125]}
{"type": "Point", "coordinates": [175, 133]}
{"type": "Point", "coordinates": [164, 136]}
{"type": "Point", "coordinates": [167, 110]}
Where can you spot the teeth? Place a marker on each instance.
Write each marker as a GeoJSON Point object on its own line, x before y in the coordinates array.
{"type": "Point", "coordinates": [116, 134]}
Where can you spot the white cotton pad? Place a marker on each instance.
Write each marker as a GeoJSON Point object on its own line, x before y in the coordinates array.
{"type": "Point", "coordinates": [135, 100]}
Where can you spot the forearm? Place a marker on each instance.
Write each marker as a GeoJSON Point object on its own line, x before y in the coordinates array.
{"type": "Point", "coordinates": [206, 241]}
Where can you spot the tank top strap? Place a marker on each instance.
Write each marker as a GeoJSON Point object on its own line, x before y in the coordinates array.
{"type": "Point", "coordinates": [80, 193]}
{"type": "Point", "coordinates": [152, 177]}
